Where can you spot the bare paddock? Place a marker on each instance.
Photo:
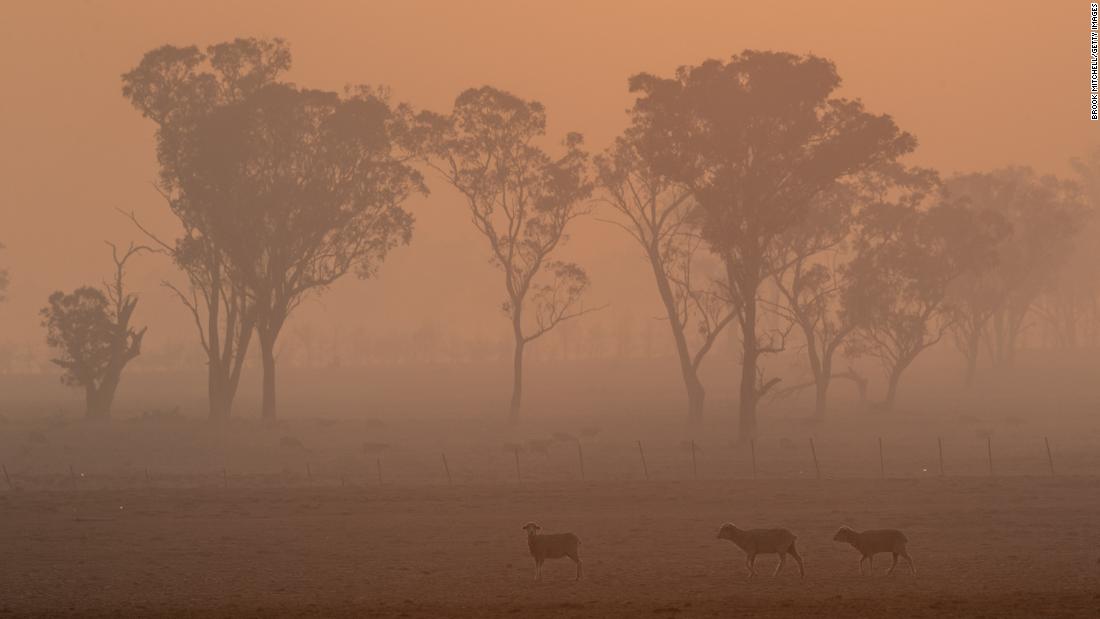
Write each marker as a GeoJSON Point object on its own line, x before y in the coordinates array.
{"type": "Point", "coordinates": [1020, 546]}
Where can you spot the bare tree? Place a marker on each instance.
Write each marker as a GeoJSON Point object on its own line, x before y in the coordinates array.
{"type": "Point", "coordinates": [521, 200]}
{"type": "Point", "coordinates": [655, 212]}
{"type": "Point", "coordinates": [757, 139]}
{"type": "Point", "coordinates": [90, 329]}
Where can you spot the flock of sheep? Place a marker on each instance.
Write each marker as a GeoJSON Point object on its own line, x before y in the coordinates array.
{"type": "Point", "coordinates": [754, 542]}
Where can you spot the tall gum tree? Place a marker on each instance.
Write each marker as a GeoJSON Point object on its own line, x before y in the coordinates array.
{"type": "Point", "coordinates": [521, 200]}
{"type": "Point", "coordinates": [655, 211]}
{"type": "Point", "coordinates": [308, 186]}
{"type": "Point", "coordinates": [757, 139]}
{"type": "Point", "coordinates": [176, 88]}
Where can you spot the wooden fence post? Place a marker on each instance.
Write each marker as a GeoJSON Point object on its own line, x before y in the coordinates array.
{"type": "Point", "coordinates": [989, 450]}
{"type": "Point", "coordinates": [694, 464]}
{"type": "Point", "coordinates": [813, 450]}
{"type": "Point", "coordinates": [939, 441]}
{"type": "Point", "coordinates": [645, 467]}
{"type": "Point", "coordinates": [881, 459]}
{"type": "Point", "coordinates": [752, 446]}
{"type": "Point", "coordinates": [1050, 457]}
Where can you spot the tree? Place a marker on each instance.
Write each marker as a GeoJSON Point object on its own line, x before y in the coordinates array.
{"type": "Point", "coordinates": [90, 329]}
{"type": "Point", "coordinates": [908, 258]}
{"type": "Point", "coordinates": [521, 200]}
{"type": "Point", "coordinates": [655, 212]}
{"type": "Point", "coordinates": [3, 280]}
{"type": "Point", "coordinates": [757, 139]}
{"type": "Point", "coordinates": [1037, 218]}
{"type": "Point", "coordinates": [176, 88]}
{"type": "Point", "coordinates": [305, 186]}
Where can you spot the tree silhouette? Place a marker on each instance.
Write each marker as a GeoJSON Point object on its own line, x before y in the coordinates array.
{"type": "Point", "coordinates": [280, 191]}
{"type": "Point", "coordinates": [1040, 215]}
{"type": "Point", "coordinates": [757, 139]}
{"type": "Point", "coordinates": [90, 329]}
{"type": "Point", "coordinates": [521, 200]}
{"type": "Point", "coordinates": [908, 258]}
{"type": "Point", "coordinates": [304, 186]}
{"type": "Point", "coordinates": [176, 88]}
{"type": "Point", "coordinates": [4, 280]}
{"type": "Point", "coordinates": [655, 212]}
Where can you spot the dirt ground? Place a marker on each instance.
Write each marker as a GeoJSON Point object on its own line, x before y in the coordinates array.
{"type": "Point", "coordinates": [993, 547]}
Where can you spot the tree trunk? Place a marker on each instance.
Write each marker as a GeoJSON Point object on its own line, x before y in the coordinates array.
{"type": "Point", "coordinates": [267, 350]}
{"type": "Point", "coordinates": [972, 346]}
{"type": "Point", "coordinates": [821, 395]}
{"type": "Point", "coordinates": [696, 399]}
{"type": "Point", "coordinates": [891, 390]}
{"type": "Point", "coordinates": [696, 395]}
{"type": "Point", "coordinates": [747, 411]}
{"type": "Point", "coordinates": [217, 391]}
{"type": "Point", "coordinates": [517, 380]}
{"type": "Point", "coordinates": [92, 407]}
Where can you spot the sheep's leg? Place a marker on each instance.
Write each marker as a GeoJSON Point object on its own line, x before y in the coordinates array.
{"type": "Point", "coordinates": [750, 561]}
{"type": "Point", "coordinates": [538, 569]}
{"type": "Point", "coordinates": [576, 559]}
{"type": "Point", "coordinates": [871, 565]}
{"type": "Point", "coordinates": [798, 559]}
{"type": "Point", "coordinates": [893, 565]}
{"type": "Point", "coordinates": [912, 568]}
{"type": "Point", "coordinates": [861, 560]}
{"type": "Point", "coordinates": [782, 560]}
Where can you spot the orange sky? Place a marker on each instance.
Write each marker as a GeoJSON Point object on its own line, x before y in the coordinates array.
{"type": "Point", "coordinates": [980, 84]}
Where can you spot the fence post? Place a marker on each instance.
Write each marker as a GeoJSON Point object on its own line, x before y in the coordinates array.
{"type": "Point", "coordinates": [881, 460]}
{"type": "Point", "coordinates": [694, 464]}
{"type": "Point", "coordinates": [515, 450]}
{"type": "Point", "coordinates": [1050, 457]}
{"type": "Point", "coordinates": [447, 468]}
{"type": "Point", "coordinates": [939, 441]}
{"type": "Point", "coordinates": [752, 446]}
{"type": "Point", "coordinates": [813, 450]}
{"type": "Point", "coordinates": [645, 467]}
{"type": "Point", "coordinates": [989, 450]}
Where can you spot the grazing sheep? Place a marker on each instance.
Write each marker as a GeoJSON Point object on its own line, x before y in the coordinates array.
{"type": "Point", "coordinates": [551, 546]}
{"type": "Point", "coordinates": [870, 543]}
{"type": "Point", "coordinates": [763, 541]}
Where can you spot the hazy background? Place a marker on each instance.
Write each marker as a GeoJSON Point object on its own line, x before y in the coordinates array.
{"type": "Point", "coordinates": [980, 85]}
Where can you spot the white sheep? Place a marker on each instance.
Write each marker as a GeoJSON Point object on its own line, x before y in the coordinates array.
{"type": "Point", "coordinates": [870, 543]}
{"type": "Point", "coordinates": [551, 546]}
{"type": "Point", "coordinates": [763, 541]}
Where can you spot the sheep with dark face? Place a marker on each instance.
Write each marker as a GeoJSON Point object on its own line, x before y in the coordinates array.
{"type": "Point", "coordinates": [870, 543]}
{"type": "Point", "coordinates": [762, 542]}
{"type": "Point", "coordinates": [551, 546]}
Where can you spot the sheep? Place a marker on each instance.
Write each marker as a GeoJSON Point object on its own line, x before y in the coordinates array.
{"type": "Point", "coordinates": [870, 543]}
{"type": "Point", "coordinates": [551, 546]}
{"type": "Point", "coordinates": [763, 541]}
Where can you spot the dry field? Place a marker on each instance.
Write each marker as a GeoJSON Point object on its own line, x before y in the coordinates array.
{"type": "Point", "coordinates": [1003, 547]}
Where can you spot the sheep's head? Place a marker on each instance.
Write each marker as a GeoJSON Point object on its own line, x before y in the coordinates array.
{"type": "Point", "coordinates": [728, 531]}
{"type": "Point", "coordinates": [531, 528]}
{"type": "Point", "coordinates": [844, 535]}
